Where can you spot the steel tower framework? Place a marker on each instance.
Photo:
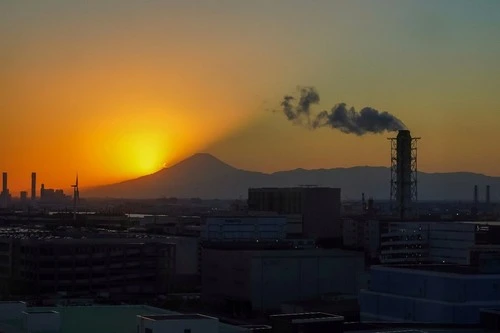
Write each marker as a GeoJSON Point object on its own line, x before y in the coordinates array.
{"type": "Point", "coordinates": [404, 175]}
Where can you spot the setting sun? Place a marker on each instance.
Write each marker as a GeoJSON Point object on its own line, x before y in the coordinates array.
{"type": "Point", "coordinates": [147, 153]}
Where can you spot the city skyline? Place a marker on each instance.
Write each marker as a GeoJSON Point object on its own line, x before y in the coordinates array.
{"type": "Point", "coordinates": [115, 92]}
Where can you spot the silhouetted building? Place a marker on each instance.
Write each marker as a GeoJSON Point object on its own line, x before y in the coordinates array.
{"type": "Point", "coordinates": [318, 206]}
{"type": "Point", "coordinates": [4, 195]}
{"type": "Point", "coordinates": [444, 294]}
{"type": "Point", "coordinates": [263, 279]}
{"type": "Point", "coordinates": [33, 186]}
{"type": "Point", "coordinates": [86, 267]}
{"type": "Point", "coordinates": [52, 195]}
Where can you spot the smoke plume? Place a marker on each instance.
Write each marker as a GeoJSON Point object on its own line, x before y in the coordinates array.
{"type": "Point", "coordinates": [347, 120]}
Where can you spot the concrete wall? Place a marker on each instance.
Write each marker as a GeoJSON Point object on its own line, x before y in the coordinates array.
{"type": "Point", "coordinates": [48, 321]}
{"type": "Point", "coordinates": [179, 325]}
{"type": "Point", "coordinates": [321, 213]}
{"type": "Point", "coordinates": [11, 310]}
{"type": "Point", "coordinates": [225, 274]}
{"type": "Point", "coordinates": [269, 278]}
{"type": "Point", "coordinates": [418, 295]}
{"type": "Point", "coordinates": [386, 307]}
{"type": "Point", "coordinates": [277, 278]}
{"type": "Point", "coordinates": [451, 242]}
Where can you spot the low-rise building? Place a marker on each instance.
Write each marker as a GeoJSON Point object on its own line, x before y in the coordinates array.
{"type": "Point", "coordinates": [263, 279]}
{"type": "Point", "coordinates": [429, 294]}
{"type": "Point", "coordinates": [17, 317]}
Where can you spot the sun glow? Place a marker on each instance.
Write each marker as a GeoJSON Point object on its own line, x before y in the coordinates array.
{"type": "Point", "coordinates": [145, 153]}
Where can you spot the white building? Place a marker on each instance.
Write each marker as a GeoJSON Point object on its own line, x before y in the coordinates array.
{"type": "Point", "coordinates": [437, 242]}
{"type": "Point", "coordinates": [244, 228]}
{"type": "Point", "coordinates": [404, 242]}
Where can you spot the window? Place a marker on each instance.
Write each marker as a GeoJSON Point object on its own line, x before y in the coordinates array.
{"type": "Point", "coordinates": [187, 330]}
{"type": "Point", "coordinates": [148, 330]}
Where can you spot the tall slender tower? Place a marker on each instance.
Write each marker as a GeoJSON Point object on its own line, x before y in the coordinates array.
{"type": "Point", "coordinates": [76, 197]}
{"type": "Point", "coordinates": [403, 190]}
{"type": "Point", "coordinates": [33, 186]}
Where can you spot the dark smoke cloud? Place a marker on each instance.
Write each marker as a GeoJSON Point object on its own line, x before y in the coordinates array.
{"type": "Point", "coordinates": [347, 120]}
{"type": "Point", "coordinates": [308, 96]}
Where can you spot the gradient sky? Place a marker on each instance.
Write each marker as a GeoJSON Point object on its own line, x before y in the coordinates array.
{"type": "Point", "coordinates": [117, 89]}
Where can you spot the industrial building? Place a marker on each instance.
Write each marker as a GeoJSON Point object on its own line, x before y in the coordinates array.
{"type": "Point", "coordinates": [318, 206]}
{"type": "Point", "coordinates": [447, 294]}
{"type": "Point", "coordinates": [5, 196]}
{"type": "Point", "coordinates": [261, 280]}
{"type": "Point", "coordinates": [244, 228]}
{"type": "Point", "coordinates": [18, 317]}
{"type": "Point", "coordinates": [436, 242]}
{"type": "Point", "coordinates": [86, 267]}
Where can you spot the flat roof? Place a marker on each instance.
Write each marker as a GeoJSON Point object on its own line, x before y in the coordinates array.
{"type": "Point", "coordinates": [98, 319]}
{"type": "Point", "coordinates": [308, 316]}
{"type": "Point", "coordinates": [177, 317]}
{"type": "Point", "coordinates": [438, 268]}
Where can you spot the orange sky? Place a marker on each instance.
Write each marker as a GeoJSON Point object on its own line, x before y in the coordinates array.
{"type": "Point", "coordinates": [117, 89]}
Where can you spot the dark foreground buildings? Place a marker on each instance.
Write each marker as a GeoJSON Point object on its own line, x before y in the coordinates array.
{"type": "Point", "coordinates": [111, 268]}
{"type": "Point", "coordinates": [319, 208]}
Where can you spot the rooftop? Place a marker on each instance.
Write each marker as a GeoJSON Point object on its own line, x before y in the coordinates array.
{"type": "Point", "coordinates": [177, 317]}
{"type": "Point", "coordinates": [438, 268]}
{"type": "Point", "coordinates": [99, 319]}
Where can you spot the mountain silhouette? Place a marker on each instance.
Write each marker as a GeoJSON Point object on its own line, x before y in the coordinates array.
{"type": "Point", "coordinates": [205, 176]}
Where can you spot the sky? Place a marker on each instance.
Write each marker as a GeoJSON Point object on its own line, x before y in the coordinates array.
{"type": "Point", "coordinates": [116, 89]}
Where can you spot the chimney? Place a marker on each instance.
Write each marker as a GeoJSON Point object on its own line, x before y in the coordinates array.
{"type": "Point", "coordinates": [404, 172]}
{"type": "Point", "coordinates": [33, 185]}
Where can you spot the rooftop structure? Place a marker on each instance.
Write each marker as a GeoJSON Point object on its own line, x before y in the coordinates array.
{"type": "Point", "coordinates": [95, 319]}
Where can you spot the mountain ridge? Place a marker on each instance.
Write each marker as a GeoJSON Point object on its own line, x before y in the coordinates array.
{"type": "Point", "coordinates": [205, 176]}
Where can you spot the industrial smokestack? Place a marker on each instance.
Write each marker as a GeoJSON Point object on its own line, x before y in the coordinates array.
{"type": "Point", "coordinates": [476, 200]}
{"type": "Point", "coordinates": [347, 120]}
{"type": "Point", "coordinates": [33, 186]}
{"type": "Point", "coordinates": [404, 171]}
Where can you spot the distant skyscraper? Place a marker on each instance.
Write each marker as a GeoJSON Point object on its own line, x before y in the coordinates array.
{"type": "Point", "coordinates": [33, 185]}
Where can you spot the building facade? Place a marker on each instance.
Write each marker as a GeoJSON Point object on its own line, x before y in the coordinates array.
{"type": "Point", "coordinates": [319, 206]}
{"type": "Point", "coordinates": [88, 267]}
{"type": "Point", "coordinates": [435, 242]}
{"type": "Point", "coordinates": [262, 280]}
{"type": "Point", "coordinates": [428, 294]}
{"type": "Point", "coordinates": [244, 228]}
